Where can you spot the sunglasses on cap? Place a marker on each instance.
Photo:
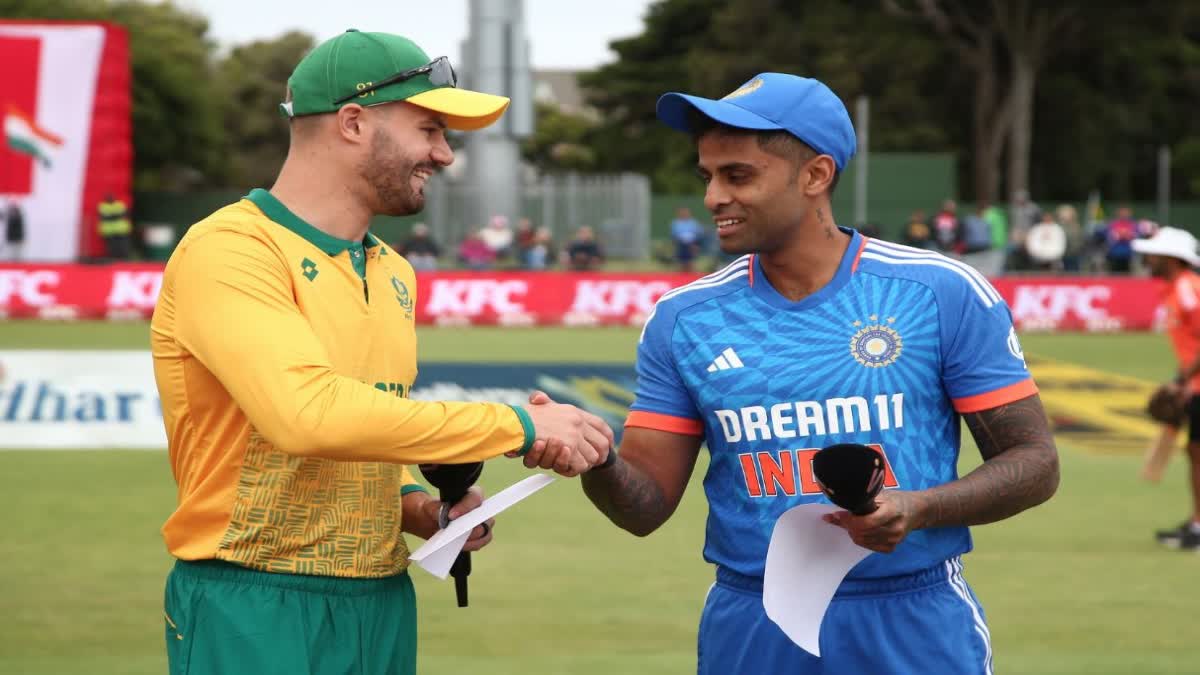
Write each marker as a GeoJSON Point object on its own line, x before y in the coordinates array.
{"type": "Point", "coordinates": [441, 74]}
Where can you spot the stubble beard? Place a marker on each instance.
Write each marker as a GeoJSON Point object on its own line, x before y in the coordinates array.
{"type": "Point", "coordinates": [390, 175]}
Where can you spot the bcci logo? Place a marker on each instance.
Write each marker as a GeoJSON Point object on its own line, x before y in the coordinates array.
{"type": "Point", "coordinates": [876, 345]}
{"type": "Point", "coordinates": [403, 297]}
{"type": "Point", "coordinates": [748, 88]}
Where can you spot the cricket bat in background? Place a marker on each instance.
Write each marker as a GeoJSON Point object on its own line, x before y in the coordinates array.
{"type": "Point", "coordinates": [1159, 453]}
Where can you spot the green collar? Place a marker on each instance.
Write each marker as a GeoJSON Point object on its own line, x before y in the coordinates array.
{"type": "Point", "coordinates": [276, 211]}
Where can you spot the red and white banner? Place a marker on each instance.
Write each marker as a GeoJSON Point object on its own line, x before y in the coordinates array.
{"type": "Point", "coordinates": [542, 298]}
{"type": "Point", "coordinates": [560, 298]}
{"type": "Point", "coordinates": [1093, 304]}
{"type": "Point", "coordinates": [65, 102]}
{"type": "Point", "coordinates": [446, 298]}
{"type": "Point", "coordinates": [79, 291]}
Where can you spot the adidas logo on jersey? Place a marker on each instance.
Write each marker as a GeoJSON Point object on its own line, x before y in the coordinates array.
{"type": "Point", "coordinates": [728, 360]}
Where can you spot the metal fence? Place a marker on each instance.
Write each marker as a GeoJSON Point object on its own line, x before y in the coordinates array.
{"type": "Point", "coordinates": [616, 206]}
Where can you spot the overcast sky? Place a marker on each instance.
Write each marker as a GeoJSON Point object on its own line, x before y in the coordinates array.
{"type": "Point", "coordinates": [559, 35]}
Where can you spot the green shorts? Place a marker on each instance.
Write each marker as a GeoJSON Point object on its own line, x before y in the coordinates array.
{"type": "Point", "coordinates": [221, 618]}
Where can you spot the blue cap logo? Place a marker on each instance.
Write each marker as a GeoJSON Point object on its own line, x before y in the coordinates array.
{"type": "Point", "coordinates": [748, 88]}
{"type": "Point", "coordinates": [801, 106]}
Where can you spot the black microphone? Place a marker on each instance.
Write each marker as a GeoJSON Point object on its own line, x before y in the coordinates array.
{"type": "Point", "coordinates": [452, 482]}
{"type": "Point", "coordinates": [851, 475]}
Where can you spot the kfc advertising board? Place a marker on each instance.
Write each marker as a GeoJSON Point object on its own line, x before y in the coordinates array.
{"type": "Point", "coordinates": [1093, 304]}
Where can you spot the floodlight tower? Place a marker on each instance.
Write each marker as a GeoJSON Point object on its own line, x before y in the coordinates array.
{"type": "Point", "coordinates": [496, 60]}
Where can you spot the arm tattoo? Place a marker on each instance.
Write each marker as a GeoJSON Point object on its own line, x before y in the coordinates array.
{"type": "Point", "coordinates": [630, 498]}
{"type": "Point", "coordinates": [1019, 471]}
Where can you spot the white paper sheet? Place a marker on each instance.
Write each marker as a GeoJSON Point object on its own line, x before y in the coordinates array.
{"type": "Point", "coordinates": [806, 561]}
{"type": "Point", "coordinates": [438, 561]}
{"type": "Point", "coordinates": [438, 554]}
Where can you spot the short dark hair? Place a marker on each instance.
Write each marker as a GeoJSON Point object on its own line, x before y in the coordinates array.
{"type": "Point", "coordinates": [777, 142]}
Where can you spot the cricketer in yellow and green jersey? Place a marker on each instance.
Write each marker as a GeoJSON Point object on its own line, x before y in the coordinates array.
{"type": "Point", "coordinates": [284, 357]}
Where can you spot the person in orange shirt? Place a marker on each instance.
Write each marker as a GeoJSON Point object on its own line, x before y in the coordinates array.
{"type": "Point", "coordinates": [1171, 254]}
{"type": "Point", "coordinates": [284, 352]}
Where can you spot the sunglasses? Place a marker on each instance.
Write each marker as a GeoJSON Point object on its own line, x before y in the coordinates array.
{"type": "Point", "coordinates": [441, 74]}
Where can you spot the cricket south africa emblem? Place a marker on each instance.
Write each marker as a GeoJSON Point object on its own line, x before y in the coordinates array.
{"type": "Point", "coordinates": [403, 297]}
{"type": "Point", "coordinates": [876, 344]}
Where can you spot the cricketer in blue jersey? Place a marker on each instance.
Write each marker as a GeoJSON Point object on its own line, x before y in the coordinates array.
{"type": "Point", "coordinates": [816, 336]}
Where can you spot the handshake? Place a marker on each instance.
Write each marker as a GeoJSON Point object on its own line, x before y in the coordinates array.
{"type": "Point", "coordinates": [569, 440]}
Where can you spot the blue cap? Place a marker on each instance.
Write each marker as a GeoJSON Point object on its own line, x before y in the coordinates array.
{"type": "Point", "coordinates": [801, 106]}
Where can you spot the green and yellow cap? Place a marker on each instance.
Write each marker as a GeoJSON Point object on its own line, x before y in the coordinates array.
{"type": "Point", "coordinates": [328, 77]}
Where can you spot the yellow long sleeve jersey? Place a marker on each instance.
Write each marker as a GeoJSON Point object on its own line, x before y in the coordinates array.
{"type": "Point", "coordinates": [284, 357]}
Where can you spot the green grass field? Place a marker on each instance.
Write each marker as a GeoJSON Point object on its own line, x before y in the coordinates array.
{"type": "Point", "coordinates": [1076, 586]}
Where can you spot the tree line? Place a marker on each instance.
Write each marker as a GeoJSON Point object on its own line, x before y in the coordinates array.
{"type": "Point", "coordinates": [1059, 97]}
{"type": "Point", "coordinates": [1055, 96]}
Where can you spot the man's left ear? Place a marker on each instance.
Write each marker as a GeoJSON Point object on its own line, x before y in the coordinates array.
{"type": "Point", "coordinates": [821, 171]}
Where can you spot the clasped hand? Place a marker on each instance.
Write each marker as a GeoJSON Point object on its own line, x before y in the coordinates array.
{"type": "Point", "coordinates": [569, 440]}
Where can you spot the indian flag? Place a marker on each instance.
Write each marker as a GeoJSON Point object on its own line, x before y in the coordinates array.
{"type": "Point", "coordinates": [64, 101]}
{"type": "Point", "coordinates": [25, 136]}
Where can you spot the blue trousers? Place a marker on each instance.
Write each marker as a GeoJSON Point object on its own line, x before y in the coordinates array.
{"type": "Point", "coordinates": [922, 623]}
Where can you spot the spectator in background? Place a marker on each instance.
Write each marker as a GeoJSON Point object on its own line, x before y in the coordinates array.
{"type": "Point", "coordinates": [870, 230]}
{"type": "Point", "coordinates": [687, 235]}
{"type": "Point", "coordinates": [115, 228]}
{"type": "Point", "coordinates": [946, 228]}
{"type": "Point", "coordinates": [583, 252]}
{"type": "Point", "coordinates": [14, 231]}
{"type": "Point", "coordinates": [917, 233]}
{"type": "Point", "coordinates": [1046, 243]}
{"type": "Point", "coordinates": [1118, 241]}
{"type": "Point", "coordinates": [1095, 225]}
{"type": "Point", "coordinates": [977, 245]}
{"type": "Point", "coordinates": [976, 233]}
{"type": "Point", "coordinates": [541, 253]}
{"type": "Point", "coordinates": [420, 249]}
{"type": "Point", "coordinates": [474, 253]}
{"type": "Point", "coordinates": [997, 225]}
{"type": "Point", "coordinates": [498, 236]}
{"type": "Point", "coordinates": [1077, 240]}
{"type": "Point", "coordinates": [524, 241]}
{"type": "Point", "coordinates": [1026, 213]}
{"type": "Point", "coordinates": [1171, 257]}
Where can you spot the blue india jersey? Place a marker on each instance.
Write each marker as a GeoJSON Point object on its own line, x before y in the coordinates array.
{"type": "Point", "coordinates": [889, 353]}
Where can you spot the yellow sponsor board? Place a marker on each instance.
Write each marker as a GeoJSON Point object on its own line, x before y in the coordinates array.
{"type": "Point", "coordinates": [1089, 409]}
{"type": "Point", "coordinates": [1095, 410]}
